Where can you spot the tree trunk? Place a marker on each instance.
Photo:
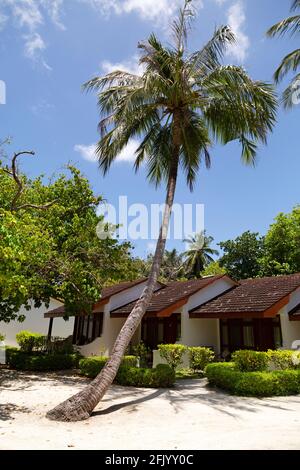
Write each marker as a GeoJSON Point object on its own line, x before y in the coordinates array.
{"type": "Point", "coordinates": [81, 405]}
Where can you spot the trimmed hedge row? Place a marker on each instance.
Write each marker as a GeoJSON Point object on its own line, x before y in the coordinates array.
{"type": "Point", "coordinates": [21, 360]}
{"type": "Point", "coordinates": [162, 376]}
{"type": "Point", "coordinates": [128, 374]}
{"type": "Point", "coordinates": [255, 361]}
{"type": "Point", "coordinates": [91, 366]}
{"type": "Point", "coordinates": [254, 384]}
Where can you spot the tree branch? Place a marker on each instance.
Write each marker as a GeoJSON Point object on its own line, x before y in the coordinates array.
{"type": "Point", "coordinates": [14, 173]}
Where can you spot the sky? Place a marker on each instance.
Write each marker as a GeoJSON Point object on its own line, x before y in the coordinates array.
{"type": "Point", "coordinates": [49, 48]}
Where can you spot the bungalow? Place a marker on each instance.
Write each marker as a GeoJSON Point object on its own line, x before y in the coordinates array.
{"type": "Point", "coordinates": [215, 311]}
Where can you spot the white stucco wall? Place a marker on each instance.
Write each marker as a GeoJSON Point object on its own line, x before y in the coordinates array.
{"type": "Point", "coordinates": [36, 323]}
{"type": "Point", "coordinates": [202, 331]}
{"type": "Point", "coordinates": [290, 329]}
{"type": "Point", "coordinates": [112, 326]}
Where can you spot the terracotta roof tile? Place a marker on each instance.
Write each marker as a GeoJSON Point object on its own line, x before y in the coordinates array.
{"type": "Point", "coordinates": [252, 295]}
{"type": "Point", "coordinates": [107, 292]}
{"type": "Point", "coordinates": [169, 295]}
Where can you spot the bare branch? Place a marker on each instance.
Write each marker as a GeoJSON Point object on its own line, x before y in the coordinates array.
{"type": "Point", "coordinates": [13, 172]}
{"type": "Point", "coordinates": [42, 207]}
{"type": "Point", "coordinates": [16, 177]}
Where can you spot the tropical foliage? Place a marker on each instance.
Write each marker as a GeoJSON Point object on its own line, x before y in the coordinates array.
{"type": "Point", "coordinates": [199, 254]}
{"type": "Point", "coordinates": [242, 256]}
{"type": "Point", "coordinates": [51, 249]}
{"type": "Point", "coordinates": [291, 61]}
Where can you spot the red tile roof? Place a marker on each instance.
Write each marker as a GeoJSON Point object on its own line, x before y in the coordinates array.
{"type": "Point", "coordinates": [107, 292]}
{"type": "Point", "coordinates": [251, 296]}
{"type": "Point", "coordinates": [169, 296]}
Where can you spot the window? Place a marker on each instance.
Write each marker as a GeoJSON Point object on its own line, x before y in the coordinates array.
{"type": "Point", "coordinates": [248, 334]}
{"type": "Point", "coordinates": [87, 328]}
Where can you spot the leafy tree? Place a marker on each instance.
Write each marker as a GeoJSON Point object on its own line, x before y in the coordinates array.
{"type": "Point", "coordinates": [213, 269]}
{"type": "Point", "coordinates": [199, 254]}
{"type": "Point", "coordinates": [282, 245]}
{"type": "Point", "coordinates": [291, 62]}
{"type": "Point", "coordinates": [49, 246]}
{"type": "Point", "coordinates": [170, 269]}
{"type": "Point", "coordinates": [177, 107]}
{"type": "Point", "coordinates": [241, 258]}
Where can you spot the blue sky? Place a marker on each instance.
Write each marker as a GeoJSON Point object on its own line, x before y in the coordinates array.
{"type": "Point", "coordinates": [49, 48]}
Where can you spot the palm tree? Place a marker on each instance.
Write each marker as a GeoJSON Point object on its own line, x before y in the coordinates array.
{"type": "Point", "coordinates": [291, 61]}
{"type": "Point", "coordinates": [198, 255]}
{"type": "Point", "coordinates": [180, 100]}
{"type": "Point", "coordinates": [170, 268]}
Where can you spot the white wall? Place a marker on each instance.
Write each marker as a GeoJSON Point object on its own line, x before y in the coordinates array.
{"type": "Point", "coordinates": [36, 323]}
{"type": "Point", "coordinates": [202, 331]}
{"type": "Point", "coordinates": [290, 329]}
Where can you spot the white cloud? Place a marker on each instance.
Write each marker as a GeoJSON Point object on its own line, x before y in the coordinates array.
{"type": "Point", "coordinates": [3, 20]}
{"type": "Point", "coordinates": [158, 10]}
{"type": "Point", "coordinates": [128, 153]}
{"type": "Point", "coordinates": [53, 8]}
{"type": "Point", "coordinates": [88, 152]}
{"type": "Point", "coordinates": [130, 66]}
{"type": "Point", "coordinates": [34, 46]}
{"type": "Point", "coordinates": [236, 20]}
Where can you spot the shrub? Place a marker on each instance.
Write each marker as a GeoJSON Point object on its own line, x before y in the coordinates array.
{"type": "Point", "coordinates": [20, 360]}
{"type": "Point", "coordinates": [250, 361]}
{"type": "Point", "coordinates": [29, 341]}
{"type": "Point", "coordinates": [162, 376]}
{"type": "Point", "coordinates": [256, 384]}
{"type": "Point", "coordinates": [142, 351]}
{"type": "Point", "coordinates": [199, 357]}
{"type": "Point", "coordinates": [91, 366]}
{"type": "Point", "coordinates": [280, 360]}
{"type": "Point", "coordinates": [172, 353]}
{"type": "Point", "coordinates": [2, 337]}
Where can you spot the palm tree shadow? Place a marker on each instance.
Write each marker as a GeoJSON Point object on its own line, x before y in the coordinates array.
{"type": "Point", "coordinates": [119, 406]}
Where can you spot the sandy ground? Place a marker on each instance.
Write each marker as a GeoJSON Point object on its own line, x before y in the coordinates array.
{"type": "Point", "coordinates": [190, 416]}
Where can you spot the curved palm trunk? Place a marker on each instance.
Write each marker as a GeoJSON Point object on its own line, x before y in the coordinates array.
{"type": "Point", "coordinates": [81, 405]}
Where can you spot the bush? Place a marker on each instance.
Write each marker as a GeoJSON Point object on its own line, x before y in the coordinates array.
{"type": "Point", "coordinates": [255, 384]}
{"type": "Point", "coordinates": [142, 352]}
{"type": "Point", "coordinates": [20, 360]}
{"type": "Point", "coordinates": [2, 337]}
{"type": "Point", "coordinates": [200, 357]}
{"type": "Point", "coordinates": [280, 360]}
{"type": "Point", "coordinates": [172, 353]}
{"type": "Point", "coordinates": [29, 341]}
{"type": "Point", "coordinates": [250, 361]}
{"type": "Point", "coordinates": [91, 366]}
{"type": "Point", "coordinates": [162, 376]}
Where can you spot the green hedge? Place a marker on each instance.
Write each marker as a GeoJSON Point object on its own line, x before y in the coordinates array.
{"type": "Point", "coordinates": [130, 375]}
{"type": "Point", "coordinates": [21, 360]}
{"type": "Point", "coordinates": [200, 357]}
{"type": "Point", "coordinates": [255, 384]}
{"type": "Point", "coordinates": [28, 341]}
{"type": "Point", "coordinates": [91, 366]}
{"type": "Point", "coordinates": [250, 361]}
{"type": "Point", "coordinates": [162, 376]}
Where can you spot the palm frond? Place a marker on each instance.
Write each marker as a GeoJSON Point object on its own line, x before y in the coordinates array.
{"type": "Point", "coordinates": [182, 24]}
{"type": "Point", "coordinates": [291, 95]}
{"type": "Point", "coordinates": [295, 5]}
{"type": "Point", "coordinates": [290, 62]}
{"type": "Point", "coordinates": [209, 57]}
{"type": "Point", "coordinates": [291, 25]}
